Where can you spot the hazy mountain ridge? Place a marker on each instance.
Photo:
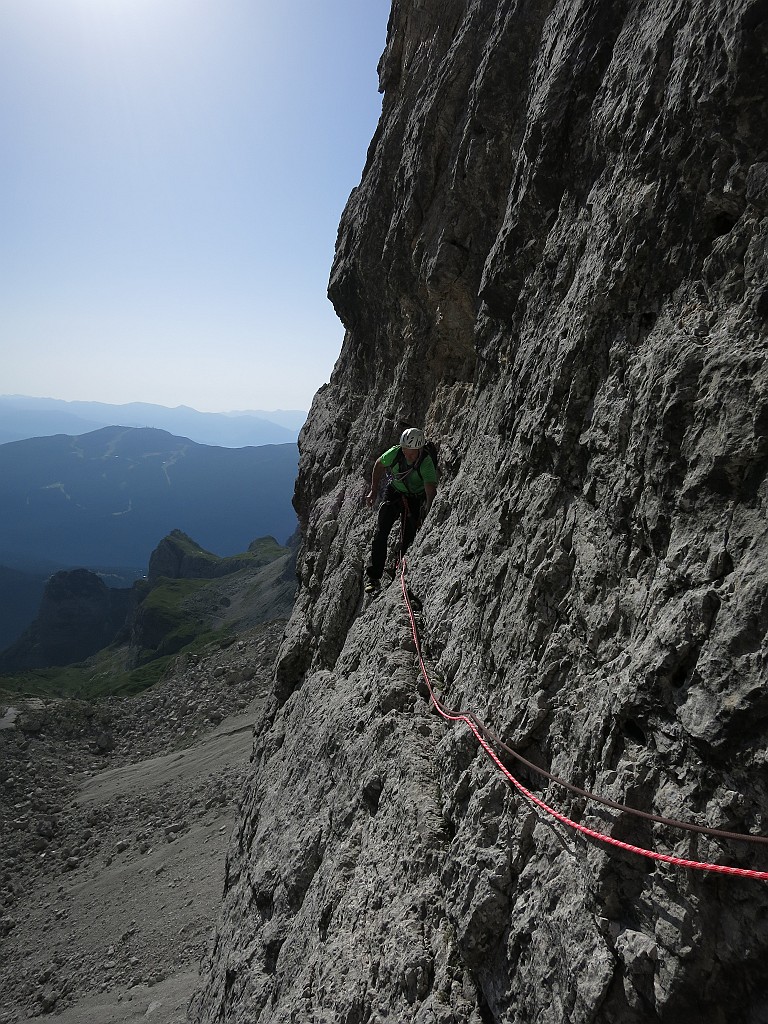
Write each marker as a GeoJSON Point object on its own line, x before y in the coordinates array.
{"type": "Point", "coordinates": [106, 496]}
{"type": "Point", "coordinates": [24, 417]}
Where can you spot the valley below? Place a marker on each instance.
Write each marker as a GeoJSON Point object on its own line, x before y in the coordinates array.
{"type": "Point", "coordinates": [115, 819]}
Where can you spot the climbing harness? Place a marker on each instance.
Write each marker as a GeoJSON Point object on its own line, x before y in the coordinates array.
{"type": "Point", "coordinates": [486, 737]}
{"type": "Point", "coordinates": [401, 469]}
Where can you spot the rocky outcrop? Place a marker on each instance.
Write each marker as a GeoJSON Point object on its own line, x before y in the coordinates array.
{"type": "Point", "coordinates": [179, 557]}
{"type": "Point", "coordinates": [556, 260]}
{"type": "Point", "coordinates": [176, 606]}
{"type": "Point", "coordinates": [79, 615]}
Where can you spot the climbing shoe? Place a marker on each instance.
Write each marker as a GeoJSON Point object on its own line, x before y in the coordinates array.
{"type": "Point", "coordinates": [372, 586]}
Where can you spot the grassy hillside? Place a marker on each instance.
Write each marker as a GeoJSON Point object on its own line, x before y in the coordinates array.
{"type": "Point", "coordinates": [105, 673]}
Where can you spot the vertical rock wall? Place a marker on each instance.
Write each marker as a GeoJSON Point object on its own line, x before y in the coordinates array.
{"type": "Point", "coordinates": [557, 260]}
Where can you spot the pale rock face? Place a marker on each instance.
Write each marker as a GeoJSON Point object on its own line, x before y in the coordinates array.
{"type": "Point", "coordinates": [556, 261]}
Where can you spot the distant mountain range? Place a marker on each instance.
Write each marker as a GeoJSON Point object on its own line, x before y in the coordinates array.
{"type": "Point", "coordinates": [107, 496]}
{"type": "Point", "coordinates": [24, 417]}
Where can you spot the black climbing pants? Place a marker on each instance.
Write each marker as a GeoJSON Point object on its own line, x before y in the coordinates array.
{"type": "Point", "coordinates": [394, 505]}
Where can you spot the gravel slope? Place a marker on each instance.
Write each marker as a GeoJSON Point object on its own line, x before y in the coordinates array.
{"type": "Point", "coordinates": [115, 822]}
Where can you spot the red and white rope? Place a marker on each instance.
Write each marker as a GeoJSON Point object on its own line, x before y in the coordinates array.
{"type": "Point", "coordinates": [723, 869]}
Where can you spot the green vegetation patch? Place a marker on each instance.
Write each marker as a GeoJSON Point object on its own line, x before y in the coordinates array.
{"type": "Point", "coordinates": [102, 676]}
{"type": "Point", "coordinates": [264, 550]}
{"type": "Point", "coordinates": [86, 681]}
{"type": "Point", "coordinates": [166, 597]}
{"type": "Point", "coordinates": [168, 619]}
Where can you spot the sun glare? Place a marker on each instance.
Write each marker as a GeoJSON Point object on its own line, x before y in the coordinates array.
{"type": "Point", "coordinates": [127, 17]}
{"type": "Point", "coordinates": [127, 10]}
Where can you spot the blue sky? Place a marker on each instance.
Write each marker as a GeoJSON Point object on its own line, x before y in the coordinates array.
{"type": "Point", "coordinates": [172, 174]}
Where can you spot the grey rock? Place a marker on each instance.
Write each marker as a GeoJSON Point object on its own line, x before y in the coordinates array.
{"type": "Point", "coordinates": [556, 262]}
{"type": "Point", "coordinates": [48, 999]}
{"type": "Point", "coordinates": [105, 742]}
{"type": "Point", "coordinates": [8, 717]}
{"type": "Point", "coordinates": [175, 827]}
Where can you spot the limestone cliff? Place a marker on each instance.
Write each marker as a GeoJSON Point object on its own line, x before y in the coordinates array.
{"type": "Point", "coordinates": [557, 261]}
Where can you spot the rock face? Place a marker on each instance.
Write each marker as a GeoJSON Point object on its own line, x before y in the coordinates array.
{"type": "Point", "coordinates": [557, 261]}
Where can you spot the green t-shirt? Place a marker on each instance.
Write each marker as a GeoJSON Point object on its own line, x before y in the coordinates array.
{"type": "Point", "coordinates": [409, 479]}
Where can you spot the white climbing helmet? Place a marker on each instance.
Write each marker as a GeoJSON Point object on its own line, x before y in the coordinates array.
{"type": "Point", "coordinates": [412, 438]}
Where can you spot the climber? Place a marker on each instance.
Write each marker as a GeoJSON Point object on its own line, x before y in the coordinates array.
{"type": "Point", "coordinates": [410, 492]}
